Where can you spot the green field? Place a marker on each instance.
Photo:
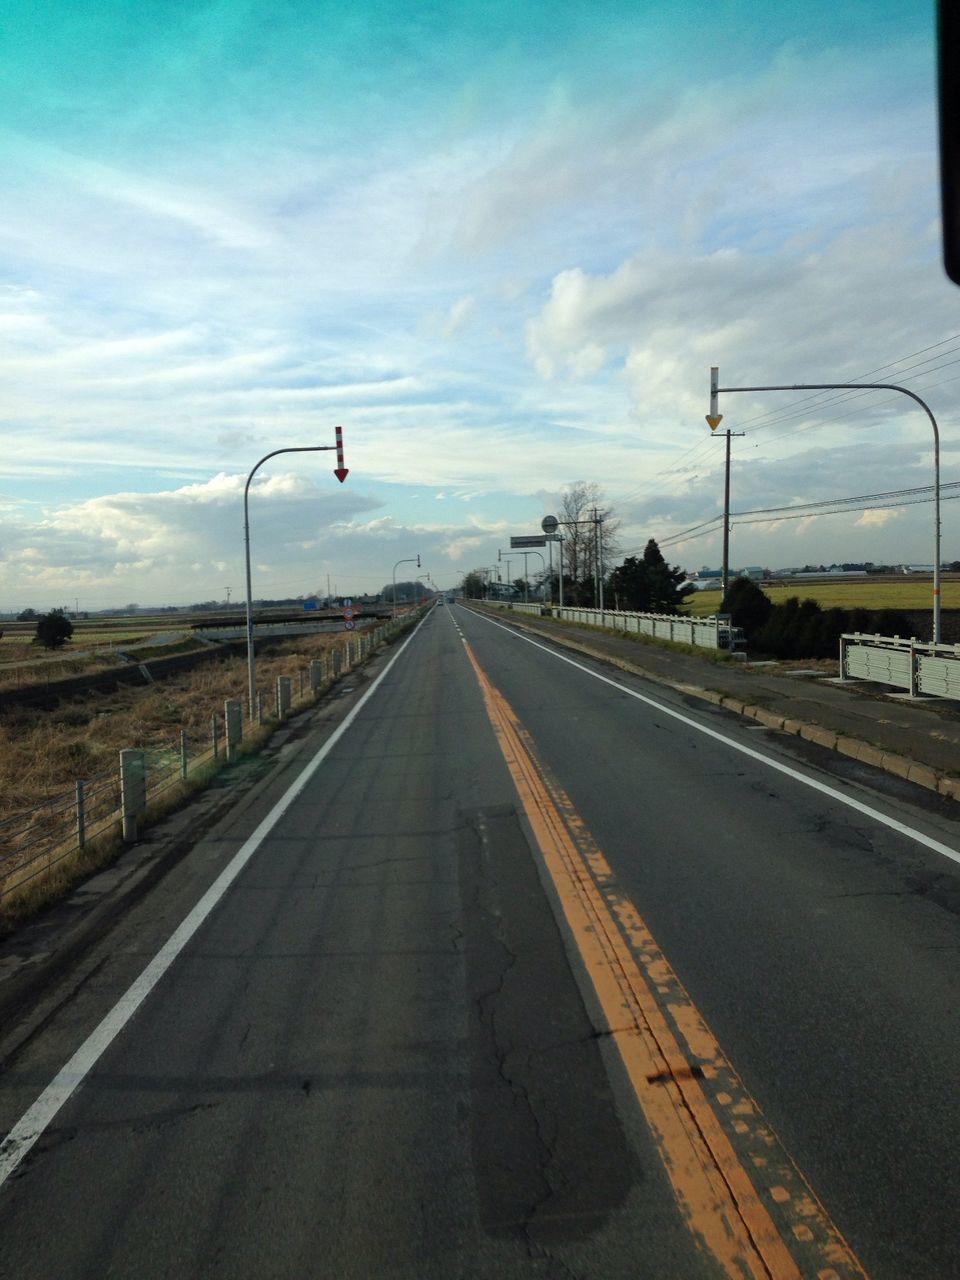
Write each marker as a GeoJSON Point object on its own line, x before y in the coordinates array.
{"type": "Point", "coordinates": [914, 592]}
{"type": "Point", "coordinates": [96, 642]}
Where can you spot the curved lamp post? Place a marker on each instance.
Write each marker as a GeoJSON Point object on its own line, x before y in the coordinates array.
{"type": "Point", "coordinates": [526, 576]}
{"type": "Point", "coordinates": [713, 420]}
{"type": "Point", "coordinates": [341, 473]}
{"type": "Point", "coordinates": [409, 560]}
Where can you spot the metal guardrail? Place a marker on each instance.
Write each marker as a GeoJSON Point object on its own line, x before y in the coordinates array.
{"type": "Point", "coordinates": [704, 633]}
{"type": "Point", "coordinates": [917, 666]}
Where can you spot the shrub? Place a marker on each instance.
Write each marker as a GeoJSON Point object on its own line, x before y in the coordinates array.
{"type": "Point", "coordinates": [747, 605]}
{"type": "Point", "coordinates": [54, 629]}
{"type": "Point", "coordinates": [891, 622]}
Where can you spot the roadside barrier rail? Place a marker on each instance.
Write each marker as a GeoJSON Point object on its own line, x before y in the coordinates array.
{"type": "Point", "coordinates": [919, 667]}
{"type": "Point", "coordinates": [705, 633]}
{"type": "Point", "coordinates": [34, 842]}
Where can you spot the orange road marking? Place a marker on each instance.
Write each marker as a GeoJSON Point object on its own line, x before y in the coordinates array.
{"type": "Point", "coordinates": [666, 1057]}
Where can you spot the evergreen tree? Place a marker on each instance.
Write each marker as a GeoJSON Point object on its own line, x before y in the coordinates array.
{"type": "Point", "coordinates": [748, 606]}
{"type": "Point", "coordinates": [648, 585]}
{"type": "Point", "coordinates": [630, 586]}
{"type": "Point", "coordinates": [665, 593]}
{"type": "Point", "coordinates": [54, 629]}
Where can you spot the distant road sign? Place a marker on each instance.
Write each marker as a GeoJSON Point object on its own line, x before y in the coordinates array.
{"type": "Point", "coordinates": [348, 601]}
{"type": "Point", "coordinates": [349, 624]}
{"type": "Point", "coordinates": [535, 540]}
{"type": "Point", "coordinates": [549, 524]}
{"type": "Point", "coordinates": [348, 614]}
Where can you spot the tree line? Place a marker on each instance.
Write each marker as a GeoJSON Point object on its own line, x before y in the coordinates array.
{"type": "Point", "coordinates": [794, 628]}
{"type": "Point", "coordinates": [591, 572]}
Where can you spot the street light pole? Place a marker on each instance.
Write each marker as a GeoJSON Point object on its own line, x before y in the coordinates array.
{"type": "Point", "coordinates": [500, 559]}
{"type": "Point", "coordinates": [526, 575]}
{"type": "Point", "coordinates": [716, 390]}
{"type": "Point", "coordinates": [341, 474]}
{"type": "Point", "coordinates": [409, 560]}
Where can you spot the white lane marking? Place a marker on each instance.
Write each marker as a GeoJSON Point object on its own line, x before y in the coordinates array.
{"type": "Point", "coordinates": [34, 1121]}
{"type": "Point", "coordinates": [901, 828]}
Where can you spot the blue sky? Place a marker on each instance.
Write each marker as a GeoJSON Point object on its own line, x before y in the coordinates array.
{"type": "Point", "coordinates": [500, 244]}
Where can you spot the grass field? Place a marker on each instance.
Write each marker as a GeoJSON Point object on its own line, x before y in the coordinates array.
{"type": "Point", "coordinates": [871, 593]}
{"type": "Point", "coordinates": [44, 752]}
{"type": "Point", "coordinates": [96, 643]}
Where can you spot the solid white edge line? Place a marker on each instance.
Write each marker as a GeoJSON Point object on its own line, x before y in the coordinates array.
{"type": "Point", "coordinates": [901, 828]}
{"type": "Point", "coordinates": [35, 1120]}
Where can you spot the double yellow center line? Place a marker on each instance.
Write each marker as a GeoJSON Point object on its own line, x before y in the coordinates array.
{"type": "Point", "coordinates": [740, 1194]}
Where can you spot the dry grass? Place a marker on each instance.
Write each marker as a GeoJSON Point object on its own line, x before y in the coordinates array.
{"type": "Point", "coordinates": [44, 753]}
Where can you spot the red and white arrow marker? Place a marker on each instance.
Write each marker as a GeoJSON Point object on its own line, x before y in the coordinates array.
{"type": "Point", "coordinates": [340, 471]}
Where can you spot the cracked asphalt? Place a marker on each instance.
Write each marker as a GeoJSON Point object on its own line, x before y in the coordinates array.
{"type": "Point", "coordinates": [380, 1056]}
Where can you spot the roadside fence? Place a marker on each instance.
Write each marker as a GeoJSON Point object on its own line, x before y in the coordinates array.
{"type": "Point", "coordinates": [705, 633]}
{"type": "Point", "coordinates": [914, 665]}
{"type": "Point", "coordinates": [59, 829]}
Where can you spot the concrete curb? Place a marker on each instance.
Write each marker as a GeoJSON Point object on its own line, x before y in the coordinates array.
{"type": "Point", "coordinates": [888, 761]}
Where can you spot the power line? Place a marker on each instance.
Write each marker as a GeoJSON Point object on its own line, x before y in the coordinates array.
{"type": "Point", "coordinates": [871, 506]}
{"type": "Point", "coordinates": [820, 398]}
{"type": "Point", "coordinates": [862, 497]}
{"type": "Point", "coordinates": [772, 417]}
{"type": "Point", "coordinates": [827, 507]}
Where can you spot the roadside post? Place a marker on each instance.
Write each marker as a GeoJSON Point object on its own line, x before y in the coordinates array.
{"type": "Point", "coordinates": [133, 792]}
{"type": "Point", "coordinates": [233, 720]}
{"type": "Point", "coordinates": [283, 697]}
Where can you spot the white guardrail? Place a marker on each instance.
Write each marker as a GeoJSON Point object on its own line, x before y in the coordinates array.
{"type": "Point", "coordinates": [706, 633]}
{"type": "Point", "coordinates": [914, 665]}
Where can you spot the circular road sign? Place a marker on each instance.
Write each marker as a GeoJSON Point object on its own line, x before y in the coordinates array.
{"type": "Point", "coordinates": [349, 625]}
{"type": "Point", "coordinates": [549, 524]}
{"type": "Point", "coordinates": [348, 614]}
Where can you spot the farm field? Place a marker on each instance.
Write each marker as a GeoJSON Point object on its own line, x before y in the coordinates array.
{"type": "Point", "coordinates": [862, 593]}
{"type": "Point", "coordinates": [96, 643]}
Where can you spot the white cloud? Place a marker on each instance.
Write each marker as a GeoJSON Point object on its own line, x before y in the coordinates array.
{"type": "Point", "coordinates": [593, 243]}
{"type": "Point", "coordinates": [459, 315]}
{"type": "Point", "coordinates": [876, 519]}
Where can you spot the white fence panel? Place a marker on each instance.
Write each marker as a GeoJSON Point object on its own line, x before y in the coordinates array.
{"type": "Point", "coordinates": [939, 675]}
{"type": "Point", "coordinates": [919, 667]}
{"type": "Point", "coordinates": [704, 633]}
{"type": "Point", "coordinates": [879, 665]}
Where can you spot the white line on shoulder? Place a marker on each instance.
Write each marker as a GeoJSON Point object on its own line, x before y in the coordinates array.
{"type": "Point", "coordinates": [34, 1121]}
{"type": "Point", "coordinates": [901, 828]}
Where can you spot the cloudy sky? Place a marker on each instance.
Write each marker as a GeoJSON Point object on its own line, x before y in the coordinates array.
{"type": "Point", "coordinates": [501, 244]}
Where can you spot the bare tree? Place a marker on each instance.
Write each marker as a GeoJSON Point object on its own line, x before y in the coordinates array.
{"type": "Point", "coordinates": [587, 522]}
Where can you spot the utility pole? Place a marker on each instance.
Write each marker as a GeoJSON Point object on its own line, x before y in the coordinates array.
{"type": "Point", "coordinates": [714, 418]}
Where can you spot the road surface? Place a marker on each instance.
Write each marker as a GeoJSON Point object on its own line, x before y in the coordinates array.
{"type": "Point", "coordinates": [519, 967]}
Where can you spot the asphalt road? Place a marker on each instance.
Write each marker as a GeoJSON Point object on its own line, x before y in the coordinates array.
{"type": "Point", "coordinates": [393, 1045]}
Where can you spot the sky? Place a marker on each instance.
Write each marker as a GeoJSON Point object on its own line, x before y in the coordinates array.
{"type": "Point", "coordinates": [501, 245]}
